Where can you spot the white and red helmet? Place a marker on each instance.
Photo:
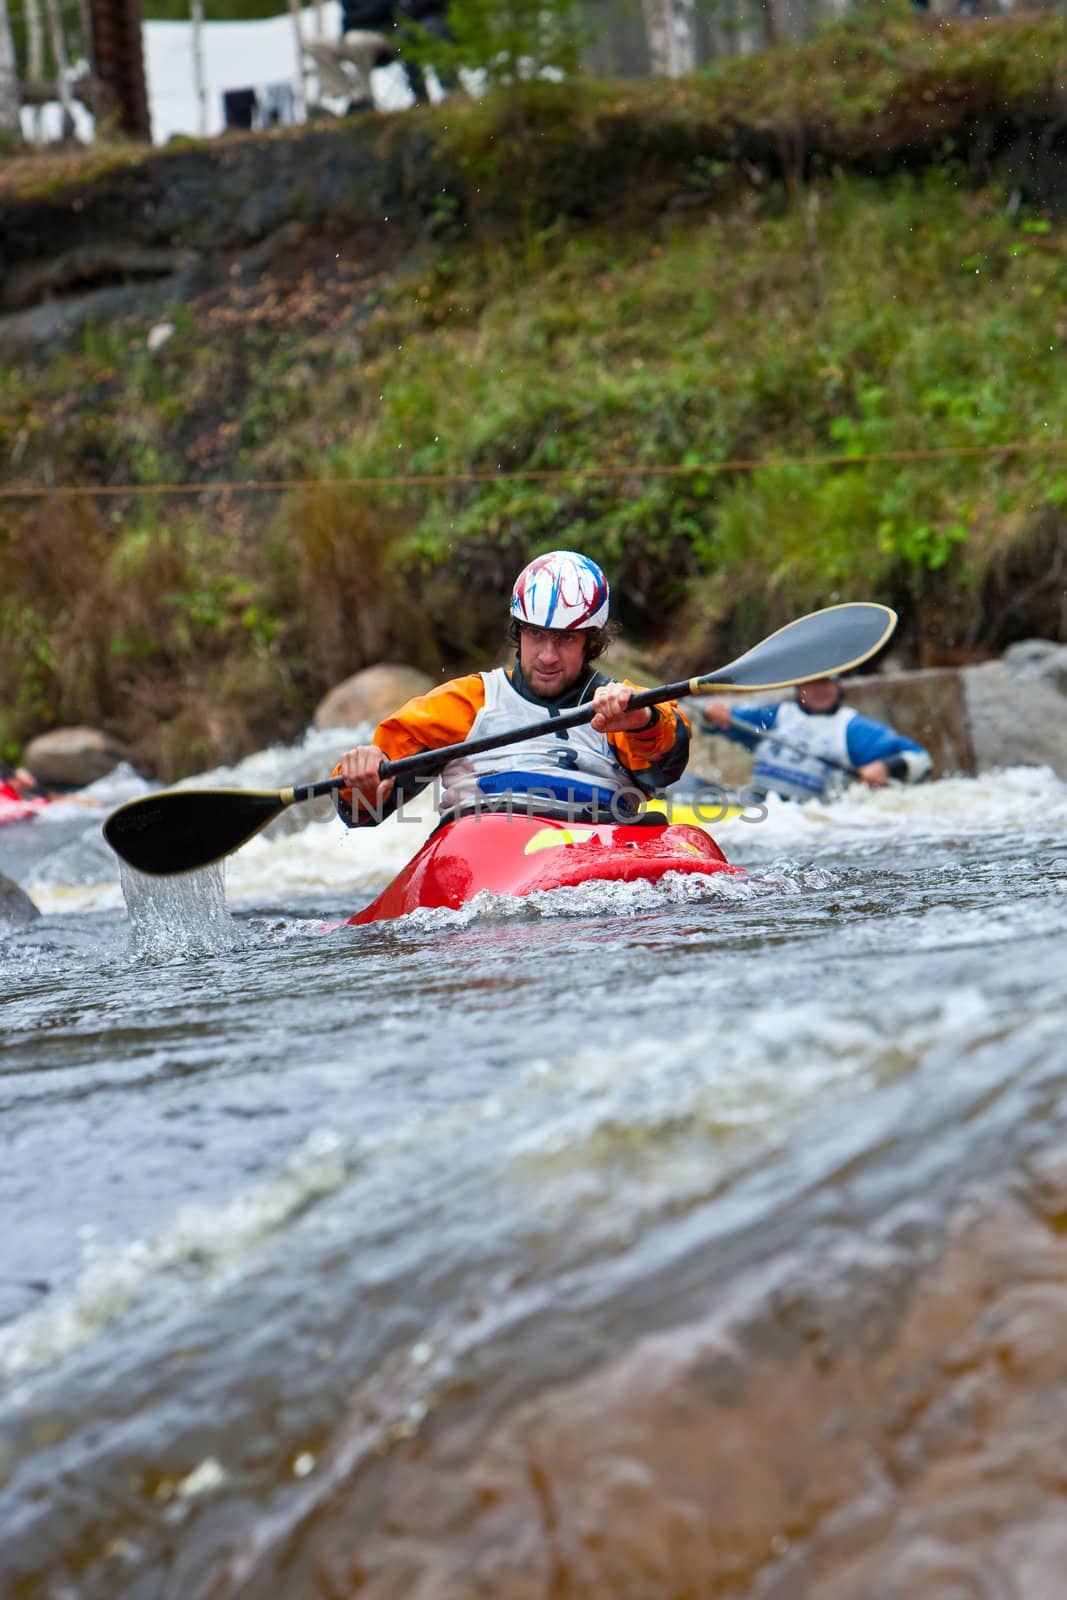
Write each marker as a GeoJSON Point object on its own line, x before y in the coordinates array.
{"type": "Point", "coordinates": [561, 590]}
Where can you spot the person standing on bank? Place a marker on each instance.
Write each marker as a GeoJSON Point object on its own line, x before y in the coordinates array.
{"type": "Point", "coordinates": [431, 16]}
{"type": "Point", "coordinates": [372, 35]}
{"type": "Point", "coordinates": [559, 626]}
{"type": "Point", "coordinates": [823, 745]}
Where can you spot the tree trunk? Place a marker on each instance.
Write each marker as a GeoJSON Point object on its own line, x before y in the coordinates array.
{"type": "Point", "coordinates": [34, 56]}
{"type": "Point", "coordinates": [300, 82]}
{"type": "Point", "coordinates": [59, 56]}
{"type": "Point", "coordinates": [85, 15]}
{"type": "Point", "coordinates": [196, 17]}
{"type": "Point", "coordinates": [9, 80]}
{"type": "Point", "coordinates": [669, 25]}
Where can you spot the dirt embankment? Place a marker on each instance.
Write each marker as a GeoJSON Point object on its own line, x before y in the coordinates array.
{"type": "Point", "coordinates": [122, 239]}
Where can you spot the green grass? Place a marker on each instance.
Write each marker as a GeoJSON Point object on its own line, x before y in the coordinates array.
{"type": "Point", "coordinates": [921, 317]}
{"type": "Point", "coordinates": [836, 316]}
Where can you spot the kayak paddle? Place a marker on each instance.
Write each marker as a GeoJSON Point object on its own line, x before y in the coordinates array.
{"type": "Point", "coordinates": [775, 737]}
{"type": "Point", "coordinates": [179, 830]}
{"type": "Point", "coordinates": [786, 744]}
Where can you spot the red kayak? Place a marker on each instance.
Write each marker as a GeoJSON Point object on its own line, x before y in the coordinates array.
{"type": "Point", "coordinates": [520, 855]}
{"type": "Point", "coordinates": [15, 808]}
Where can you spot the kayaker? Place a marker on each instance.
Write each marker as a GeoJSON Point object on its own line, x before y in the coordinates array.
{"type": "Point", "coordinates": [21, 796]}
{"type": "Point", "coordinates": [824, 744]}
{"type": "Point", "coordinates": [559, 626]}
{"type": "Point", "coordinates": [19, 783]}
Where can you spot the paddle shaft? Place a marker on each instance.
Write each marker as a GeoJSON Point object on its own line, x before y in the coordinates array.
{"type": "Point", "coordinates": [762, 660]}
{"type": "Point", "coordinates": [181, 830]}
{"type": "Point", "coordinates": [426, 762]}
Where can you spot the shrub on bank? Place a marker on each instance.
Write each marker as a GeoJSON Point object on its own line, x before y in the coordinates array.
{"type": "Point", "coordinates": [747, 398]}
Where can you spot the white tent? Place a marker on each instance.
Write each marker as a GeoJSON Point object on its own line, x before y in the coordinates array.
{"type": "Point", "coordinates": [261, 56]}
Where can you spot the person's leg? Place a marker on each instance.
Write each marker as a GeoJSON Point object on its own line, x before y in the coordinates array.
{"type": "Point", "coordinates": [447, 77]}
{"type": "Point", "coordinates": [415, 75]}
{"type": "Point", "coordinates": [416, 81]}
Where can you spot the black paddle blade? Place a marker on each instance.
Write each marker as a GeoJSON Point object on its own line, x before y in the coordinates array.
{"type": "Point", "coordinates": [183, 829]}
{"type": "Point", "coordinates": [820, 645]}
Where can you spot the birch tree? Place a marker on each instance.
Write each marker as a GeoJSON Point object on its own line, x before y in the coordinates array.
{"type": "Point", "coordinates": [669, 27]}
{"type": "Point", "coordinates": [62, 65]}
{"type": "Point", "coordinates": [300, 82]}
{"type": "Point", "coordinates": [9, 76]}
{"type": "Point", "coordinates": [196, 18]}
{"type": "Point", "coordinates": [35, 56]}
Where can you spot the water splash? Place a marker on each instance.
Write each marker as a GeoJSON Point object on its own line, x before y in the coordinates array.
{"type": "Point", "coordinates": [175, 918]}
{"type": "Point", "coordinates": [597, 898]}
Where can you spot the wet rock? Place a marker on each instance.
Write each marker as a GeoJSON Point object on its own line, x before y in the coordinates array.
{"type": "Point", "coordinates": [924, 1463]}
{"type": "Point", "coordinates": [16, 907]}
{"type": "Point", "coordinates": [927, 706]}
{"type": "Point", "coordinates": [1014, 721]}
{"type": "Point", "coordinates": [70, 758]}
{"type": "Point", "coordinates": [1052, 669]}
{"type": "Point", "coordinates": [1026, 654]}
{"type": "Point", "coordinates": [370, 695]}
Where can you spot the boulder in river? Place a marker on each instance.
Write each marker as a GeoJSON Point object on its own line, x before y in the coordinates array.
{"type": "Point", "coordinates": [1014, 721]}
{"type": "Point", "coordinates": [1027, 655]}
{"type": "Point", "coordinates": [370, 695]}
{"type": "Point", "coordinates": [70, 758]}
{"type": "Point", "coordinates": [16, 907]}
{"type": "Point", "coordinates": [1052, 669]}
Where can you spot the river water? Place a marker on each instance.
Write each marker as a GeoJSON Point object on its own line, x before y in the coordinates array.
{"type": "Point", "coordinates": [638, 1242]}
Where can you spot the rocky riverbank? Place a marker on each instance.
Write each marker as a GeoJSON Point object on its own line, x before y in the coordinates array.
{"type": "Point", "coordinates": [884, 1426]}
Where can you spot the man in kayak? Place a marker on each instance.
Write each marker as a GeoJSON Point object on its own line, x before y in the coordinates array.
{"type": "Point", "coordinates": [21, 796]}
{"type": "Point", "coordinates": [821, 744]}
{"type": "Point", "coordinates": [559, 626]}
{"type": "Point", "coordinates": [19, 783]}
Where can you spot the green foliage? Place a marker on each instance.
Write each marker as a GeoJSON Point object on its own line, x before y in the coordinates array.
{"type": "Point", "coordinates": [930, 336]}
{"type": "Point", "coordinates": [745, 406]}
{"type": "Point", "coordinates": [506, 41]}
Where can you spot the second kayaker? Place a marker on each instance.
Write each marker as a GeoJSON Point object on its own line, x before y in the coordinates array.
{"type": "Point", "coordinates": [812, 746]}
{"type": "Point", "coordinates": [559, 616]}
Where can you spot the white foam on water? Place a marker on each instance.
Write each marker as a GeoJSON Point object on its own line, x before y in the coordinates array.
{"type": "Point", "coordinates": [1029, 801]}
{"type": "Point", "coordinates": [211, 1238]}
{"type": "Point", "coordinates": [597, 898]}
{"type": "Point", "coordinates": [744, 1075]}
{"type": "Point", "coordinates": [327, 856]}
{"type": "Point", "coordinates": [308, 852]}
{"type": "Point", "coordinates": [312, 757]}
{"type": "Point", "coordinates": [71, 899]}
{"type": "Point", "coordinates": [85, 876]}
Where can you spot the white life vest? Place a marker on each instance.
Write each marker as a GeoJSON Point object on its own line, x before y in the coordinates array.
{"type": "Point", "coordinates": [577, 765]}
{"type": "Point", "coordinates": [798, 777]}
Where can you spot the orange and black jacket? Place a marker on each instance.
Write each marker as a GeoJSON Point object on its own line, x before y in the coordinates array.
{"type": "Point", "coordinates": [654, 756]}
